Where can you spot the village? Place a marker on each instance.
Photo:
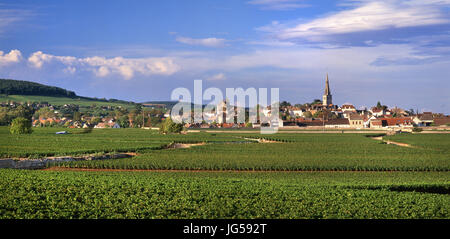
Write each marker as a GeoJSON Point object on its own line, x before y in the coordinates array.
{"type": "Point", "coordinates": [320, 114]}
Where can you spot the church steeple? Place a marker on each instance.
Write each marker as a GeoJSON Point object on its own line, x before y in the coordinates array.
{"type": "Point", "coordinates": [327, 99]}
{"type": "Point", "coordinates": [327, 87]}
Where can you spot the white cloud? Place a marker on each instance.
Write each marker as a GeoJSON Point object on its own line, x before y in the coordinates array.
{"type": "Point", "coordinates": [102, 71]}
{"type": "Point", "coordinates": [102, 67]}
{"type": "Point", "coordinates": [360, 58]}
{"type": "Point", "coordinates": [272, 43]}
{"type": "Point", "coordinates": [366, 16]}
{"type": "Point", "coordinates": [217, 77]}
{"type": "Point", "coordinates": [14, 56]}
{"type": "Point", "coordinates": [208, 42]}
{"type": "Point", "coordinates": [279, 4]}
{"type": "Point", "coordinates": [38, 59]}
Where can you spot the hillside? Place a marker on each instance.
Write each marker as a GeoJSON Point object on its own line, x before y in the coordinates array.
{"type": "Point", "coordinates": [26, 91]}
{"type": "Point", "coordinates": [18, 87]}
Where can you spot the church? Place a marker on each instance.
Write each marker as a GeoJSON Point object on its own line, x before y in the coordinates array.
{"type": "Point", "coordinates": [327, 99]}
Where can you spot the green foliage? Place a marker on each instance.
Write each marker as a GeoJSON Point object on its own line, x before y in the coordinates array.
{"type": "Point", "coordinates": [334, 190]}
{"type": "Point", "coordinates": [76, 116]}
{"type": "Point", "coordinates": [16, 87]}
{"type": "Point", "coordinates": [20, 125]}
{"type": "Point", "coordinates": [44, 112]}
{"type": "Point", "coordinates": [307, 114]}
{"type": "Point", "coordinates": [44, 141]}
{"type": "Point", "coordinates": [168, 126]}
{"type": "Point", "coordinates": [417, 129]}
{"type": "Point", "coordinates": [381, 195]}
{"type": "Point", "coordinates": [7, 114]}
{"type": "Point", "coordinates": [341, 152]}
{"type": "Point", "coordinates": [123, 121]}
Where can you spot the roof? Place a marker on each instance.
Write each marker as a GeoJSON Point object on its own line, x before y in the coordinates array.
{"type": "Point", "coordinates": [337, 122]}
{"type": "Point", "coordinates": [376, 110]}
{"type": "Point", "coordinates": [376, 122]}
{"type": "Point", "coordinates": [356, 117]}
{"type": "Point", "coordinates": [442, 120]}
{"type": "Point", "coordinates": [426, 116]}
{"type": "Point", "coordinates": [396, 121]}
{"type": "Point", "coordinates": [348, 106]}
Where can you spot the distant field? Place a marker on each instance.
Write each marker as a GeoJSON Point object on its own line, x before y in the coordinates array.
{"type": "Point", "coordinates": [59, 100]}
{"type": "Point", "coordinates": [44, 141]}
{"type": "Point", "coordinates": [434, 142]}
{"type": "Point", "coordinates": [47, 194]}
{"type": "Point", "coordinates": [228, 151]}
{"type": "Point", "coordinates": [297, 152]}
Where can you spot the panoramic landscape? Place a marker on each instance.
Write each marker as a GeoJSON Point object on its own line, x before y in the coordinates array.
{"type": "Point", "coordinates": [154, 124]}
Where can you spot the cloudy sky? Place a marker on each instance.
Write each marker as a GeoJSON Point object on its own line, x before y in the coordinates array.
{"type": "Point", "coordinates": [396, 52]}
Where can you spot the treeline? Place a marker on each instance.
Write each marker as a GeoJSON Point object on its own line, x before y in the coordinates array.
{"type": "Point", "coordinates": [17, 87]}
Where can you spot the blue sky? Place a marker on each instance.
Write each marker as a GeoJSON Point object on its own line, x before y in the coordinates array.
{"type": "Point", "coordinates": [397, 52]}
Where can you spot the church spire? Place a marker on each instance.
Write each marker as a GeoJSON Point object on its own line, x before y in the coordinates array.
{"type": "Point", "coordinates": [327, 87]}
{"type": "Point", "coordinates": [327, 98]}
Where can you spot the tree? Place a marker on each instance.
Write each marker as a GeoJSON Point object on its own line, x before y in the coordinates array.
{"type": "Point", "coordinates": [76, 116]}
{"type": "Point", "coordinates": [284, 104]}
{"type": "Point", "coordinates": [24, 112]}
{"type": "Point", "coordinates": [20, 125]}
{"type": "Point", "coordinates": [44, 112]}
{"type": "Point", "coordinates": [380, 106]}
{"type": "Point", "coordinates": [307, 114]}
{"type": "Point", "coordinates": [123, 121]}
{"type": "Point", "coordinates": [168, 126]}
{"type": "Point", "coordinates": [316, 101]}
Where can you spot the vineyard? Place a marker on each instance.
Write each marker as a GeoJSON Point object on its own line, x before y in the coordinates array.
{"type": "Point", "coordinates": [289, 152]}
{"type": "Point", "coordinates": [49, 194]}
{"type": "Point", "coordinates": [228, 175]}
{"type": "Point", "coordinates": [44, 142]}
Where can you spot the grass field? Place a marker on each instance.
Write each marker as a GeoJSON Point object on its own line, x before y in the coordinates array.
{"type": "Point", "coordinates": [342, 176]}
{"type": "Point", "coordinates": [59, 100]}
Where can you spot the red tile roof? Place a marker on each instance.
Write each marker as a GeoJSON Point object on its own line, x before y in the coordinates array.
{"type": "Point", "coordinates": [396, 121]}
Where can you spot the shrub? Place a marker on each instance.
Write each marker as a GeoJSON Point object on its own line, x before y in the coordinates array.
{"type": "Point", "coordinates": [20, 125]}
{"type": "Point", "coordinates": [416, 129]}
{"type": "Point", "coordinates": [168, 126]}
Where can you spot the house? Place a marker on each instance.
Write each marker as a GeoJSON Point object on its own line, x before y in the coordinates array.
{"type": "Point", "coordinates": [348, 108]}
{"type": "Point", "coordinates": [356, 121]}
{"type": "Point", "coordinates": [367, 120]}
{"type": "Point", "coordinates": [337, 123]}
{"type": "Point", "coordinates": [295, 111]}
{"type": "Point", "coordinates": [398, 112]}
{"type": "Point", "coordinates": [377, 111]}
{"type": "Point", "coordinates": [395, 122]}
{"type": "Point", "coordinates": [103, 125]}
{"type": "Point", "coordinates": [376, 123]}
{"type": "Point", "coordinates": [108, 120]}
{"type": "Point", "coordinates": [307, 122]}
{"type": "Point", "coordinates": [424, 119]}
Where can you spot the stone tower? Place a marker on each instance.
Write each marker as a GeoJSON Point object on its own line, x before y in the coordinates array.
{"type": "Point", "coordinates": [327, 99]}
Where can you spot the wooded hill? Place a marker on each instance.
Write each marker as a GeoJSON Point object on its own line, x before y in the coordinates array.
{"type": "Point", "coordinates": [18, 87]}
